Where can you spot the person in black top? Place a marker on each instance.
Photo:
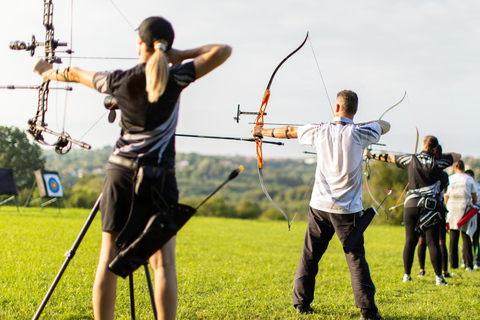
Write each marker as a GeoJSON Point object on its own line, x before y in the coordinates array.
{"type": "Point", "coordinates": [424, 178]}
{"type": "Point", "coordinates": [148, 96]}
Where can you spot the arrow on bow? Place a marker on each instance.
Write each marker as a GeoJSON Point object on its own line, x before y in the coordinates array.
{"type": "Point", "coordinates": [111, 105]}
{"type": "Point", "coordinates": [38, 125]}
{"type": "Point", "coordinates": [260, 122]}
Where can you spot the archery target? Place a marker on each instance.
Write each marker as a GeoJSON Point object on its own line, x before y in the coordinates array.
{"type": "Point", "coordinates": [53, 186]}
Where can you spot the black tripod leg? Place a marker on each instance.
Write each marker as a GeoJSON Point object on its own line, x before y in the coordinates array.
{"type": "Point", "coordinates": [69, 256]}
{"type": "Point", "coordinates": [132, 296]}
{"type": "Point", "coordinates": [150, 289]}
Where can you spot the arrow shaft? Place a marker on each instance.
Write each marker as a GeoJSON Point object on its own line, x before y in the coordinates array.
{"type": "Point", "coordinates": [226, 138]}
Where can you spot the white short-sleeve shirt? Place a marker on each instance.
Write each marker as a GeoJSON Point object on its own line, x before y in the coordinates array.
{"type": "Point", "coordinates": [459, 194]}
{"type": "Point", "coordinates": [339, 176]}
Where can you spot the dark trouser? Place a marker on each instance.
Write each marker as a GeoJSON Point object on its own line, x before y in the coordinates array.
{"type": "Point", "coordinates": [422, 247]}
{"type": "Point", "coordinates": [467, 249]}
{"type": "Point", "coordinates": [411, 215]}
{"type": "Point", "coordinates": [476, 249]}
{"type": "Point", "coordinates": [320, 230]}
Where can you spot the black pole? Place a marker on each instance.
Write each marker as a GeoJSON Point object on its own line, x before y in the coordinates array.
{"type": "Point", "coordinates": [132, 296]}
{"type": "Point", "coordinates": [150, 289]}
{"type": "Point", "coordinates": [69, 256]}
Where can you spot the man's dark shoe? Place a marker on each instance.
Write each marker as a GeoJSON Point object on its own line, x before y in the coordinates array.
{"type": "Point", "coordinates": [304, 309]}
{"type": "Point", "coordinates": [371, 315]}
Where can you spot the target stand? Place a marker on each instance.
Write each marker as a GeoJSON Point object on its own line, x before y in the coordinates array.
{"type": "Point", "coordinates": [49, 188]}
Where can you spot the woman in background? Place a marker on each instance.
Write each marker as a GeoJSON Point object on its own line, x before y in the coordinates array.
{"type": "Point", "coordinates": [424, 178]}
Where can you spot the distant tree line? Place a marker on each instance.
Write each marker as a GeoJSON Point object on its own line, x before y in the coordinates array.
{"type": "Point", "coordinates": [17, 153]}
{"type": "Point", "coordinates": [288, 181]}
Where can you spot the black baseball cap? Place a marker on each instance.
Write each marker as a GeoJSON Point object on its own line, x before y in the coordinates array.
{"type": "Point", "coordinates": [156, 28]}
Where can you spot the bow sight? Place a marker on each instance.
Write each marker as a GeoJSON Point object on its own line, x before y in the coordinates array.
{"type": "Point", "coordinates": [49, 45]}
{"type": "Point", "coordinates": [240, 112]}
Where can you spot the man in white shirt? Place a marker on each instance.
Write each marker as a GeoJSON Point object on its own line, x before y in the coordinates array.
{"type": "Point", "coordinates": [336, 201]}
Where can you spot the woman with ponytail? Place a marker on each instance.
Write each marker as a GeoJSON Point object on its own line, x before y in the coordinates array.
{"type": "Point", "coordinates": [424, 195]}
{"type": "Point", "coordinates": [148, 97]}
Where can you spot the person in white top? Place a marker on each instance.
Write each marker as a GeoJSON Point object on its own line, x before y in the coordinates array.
{"type": "Point", "coordinates": [461, 192]}
{"type": "Point", "coordinates": [476, 234]}
{"type": "Point", "coordinates": [336, 201]}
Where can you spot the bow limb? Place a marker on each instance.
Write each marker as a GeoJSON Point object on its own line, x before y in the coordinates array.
{"type": "Point", "coordinates": [396, 104]}
{"type": "Point", "coordinates": [367, 165]}
{"type": "Point", "coordinates": [262, 183]}
{"type": "Point", "coordinates": [259, 122]}
{"type": "Point", "coordinates": [417, 135]}
{"type": "Point", "coordinates": [416, 127]}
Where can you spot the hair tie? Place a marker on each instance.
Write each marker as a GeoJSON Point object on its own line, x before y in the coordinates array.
{"type": "Point", "coordinates": [160, 46]}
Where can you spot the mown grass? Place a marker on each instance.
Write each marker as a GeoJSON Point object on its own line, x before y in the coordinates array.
{"type": "Point", "coordinates": [227, 269]}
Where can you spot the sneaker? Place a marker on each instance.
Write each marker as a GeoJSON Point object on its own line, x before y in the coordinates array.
{"type": "Point", "coordinates": [367, 315]}
{"type": "Point", "coordinates": [469, 269]}
{"type": "Point", "coordinates": [440, 281]}
{"type": "Point", "coordinates": [446, 274]}
{"type": "Point", "coordinates": [304, 309]}
{"type": "Point", "coordinates": [476, 266]}
{"type": "Point", "coordinates": [421, 273]}
{"type": "Point", "coordinates": [407, 277]}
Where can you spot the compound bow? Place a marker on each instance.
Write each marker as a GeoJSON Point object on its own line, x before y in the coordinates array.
{"type": "Point", "coordinates": [37, 125]}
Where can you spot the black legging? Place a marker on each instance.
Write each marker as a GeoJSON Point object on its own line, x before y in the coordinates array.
{"type": "Point", "coordinates": [467, 249]}
{"type": "Point", "coordinates": [410, 217]}
{"type": "Point", "coordinates": [422, 247]}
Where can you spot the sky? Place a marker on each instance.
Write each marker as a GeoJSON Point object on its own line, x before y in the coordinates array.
{"type": "Point", "coordinates": [379, 49]}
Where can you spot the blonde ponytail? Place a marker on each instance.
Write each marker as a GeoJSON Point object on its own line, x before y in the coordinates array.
{"type": "Point", "coordinates": [156, 72]}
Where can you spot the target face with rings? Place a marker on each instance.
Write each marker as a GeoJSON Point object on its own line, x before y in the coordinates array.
{"type": "Point", "coordinates": [53, 185]}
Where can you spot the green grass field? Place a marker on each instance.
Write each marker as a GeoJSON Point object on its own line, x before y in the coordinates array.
{"type": "Point", "coordinates": [227, 269]}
